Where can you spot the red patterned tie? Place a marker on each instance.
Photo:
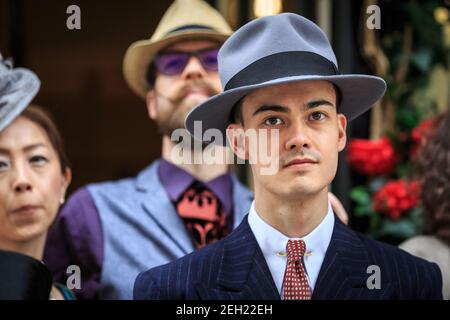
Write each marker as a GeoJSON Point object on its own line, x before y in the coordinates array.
{"type": "Point", "coordinates": [295, 284]}
{"type": "Point", "coordinates": [203, 215]}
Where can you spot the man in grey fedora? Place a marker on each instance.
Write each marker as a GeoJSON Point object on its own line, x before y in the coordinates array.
{"type": "Point", "coordinates": [280, 75]}
{"type": "Point", "coordinates": [113, 230]}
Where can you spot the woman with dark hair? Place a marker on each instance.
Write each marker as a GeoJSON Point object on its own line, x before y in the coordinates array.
{"type": "Point", "coordinates": [34, 176]}
{"type": "Point", "coordinates": [433, 169]}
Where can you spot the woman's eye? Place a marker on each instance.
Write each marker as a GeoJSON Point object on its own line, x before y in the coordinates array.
{"type": "Point", "coordinates": [38, 160]}
{"type": "Point", "coordinates": [273, 121]}
{"type": "Point", "coordinates": [3, 165]}
{"type": "Point", "coordinates": [317, 116]}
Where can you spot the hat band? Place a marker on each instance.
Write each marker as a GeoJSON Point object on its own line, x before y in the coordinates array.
{"type": "Point", "coordinates": [190, 27]}
{"type": "Point", "coordinates": [282, 65]}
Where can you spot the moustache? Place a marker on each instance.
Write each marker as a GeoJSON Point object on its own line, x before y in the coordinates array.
{"type": "Point", "coordinates": [303, 153]}
{"type": "Point", "coordinates": [195, 85]}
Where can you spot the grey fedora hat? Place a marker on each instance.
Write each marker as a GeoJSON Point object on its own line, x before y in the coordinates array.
{"type": "Point", "coordinates": [274, 50]}
{"type": "Point", "coordinates": [17, 88]}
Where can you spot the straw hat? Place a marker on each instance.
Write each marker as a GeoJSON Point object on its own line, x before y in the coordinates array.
{"type": "Point", "coordinates": [185, 19]}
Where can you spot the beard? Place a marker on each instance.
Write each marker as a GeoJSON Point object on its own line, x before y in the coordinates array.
{"type": "Point", "coordinates": [174, 121]}
{"type": "Point", "coordinates": [181, 105]}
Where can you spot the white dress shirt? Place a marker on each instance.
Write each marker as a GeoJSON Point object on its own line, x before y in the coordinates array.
{"type": "Point", "coordinates": [273, 246]}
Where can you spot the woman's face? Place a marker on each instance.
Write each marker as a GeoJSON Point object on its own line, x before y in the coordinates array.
{"type": "Point", "coordinates": [31, 182]}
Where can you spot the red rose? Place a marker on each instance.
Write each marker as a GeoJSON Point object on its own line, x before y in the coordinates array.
{"type": "Point", "coordinates": [396, 198]}
{"type": "Point", "coordinates": [372, 157]}
{"type": "Point", "coordinates": [420, 134]}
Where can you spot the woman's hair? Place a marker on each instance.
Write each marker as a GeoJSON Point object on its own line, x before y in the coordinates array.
{"type": "Point", "coordinates": [433, 168]}
{"type": "Point", "coordinates": [40, 117]}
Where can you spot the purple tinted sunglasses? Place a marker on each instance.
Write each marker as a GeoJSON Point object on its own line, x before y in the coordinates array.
{"type": "Point", "coordinates": [173, 62]}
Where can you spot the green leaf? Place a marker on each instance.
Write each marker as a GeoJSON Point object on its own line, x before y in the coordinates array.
{"type": "Point", "coordinates": [404, 170]}
{"type": "Point", "coordinates": [402, 228]}
{"type": "Point", "coordinates": [407, 118]}
{"type": "Point", "coordinates": [416, 217]}
{"type": "Point", "coordinates": [377, 184]}
{"type": "Point", "coordinates": [360, 195]}
{"type": "Point", "coordinates": [364, 211]}
{"type": "Point", "coordinates": [421, 59]}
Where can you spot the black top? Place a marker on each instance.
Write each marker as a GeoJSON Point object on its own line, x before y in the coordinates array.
{"type": "Point", "coordinates": [23, 278]}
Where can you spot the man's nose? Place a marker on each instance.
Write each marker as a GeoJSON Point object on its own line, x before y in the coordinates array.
{"type": "Point", "coordinates": [298, 136]}
{"type": "Point", "coordinates": [193, 70]}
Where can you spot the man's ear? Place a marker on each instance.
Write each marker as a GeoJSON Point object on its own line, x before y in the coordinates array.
{"type": "Point", "coordinates": [342, 127]}
{"type": "Point", "coordinates": [150, 99]}
{"type": "Point", "coordinates": [236, 138]}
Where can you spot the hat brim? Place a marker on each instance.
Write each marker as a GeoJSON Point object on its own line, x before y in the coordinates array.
{"type": "Point", "coordinates": [359, 94]}
{"type": "Point", "coordinates": [141, 53]}
{"type": "Point", "coordinates": [18, 87]}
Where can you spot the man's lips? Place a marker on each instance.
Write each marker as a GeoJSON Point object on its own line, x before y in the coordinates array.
{"type": "Point", "coordinates": [196, 92]}
{"type": "Point", "coordinates": [300, 162]}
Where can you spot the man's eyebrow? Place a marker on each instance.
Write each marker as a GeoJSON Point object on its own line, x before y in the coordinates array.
{"type": "Point", "coordinates": [318, 103]}
{"type": "Point", "coordinates": [283, 109]}
{"type": "Point", "coordinates": [275, 108]}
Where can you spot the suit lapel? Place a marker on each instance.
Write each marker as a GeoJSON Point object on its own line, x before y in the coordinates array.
{"type": "Point", "coordinates": [343, 274]}
{"type": "Point", "coordinates": [158, 206]}
{"type": "Point", "coordinates": [244, 274]}
{"type": "Point", "coordinates": [243, 271]}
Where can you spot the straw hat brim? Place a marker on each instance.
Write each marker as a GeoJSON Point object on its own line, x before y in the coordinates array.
{"type": "Point", "coordinates": [141, 53]}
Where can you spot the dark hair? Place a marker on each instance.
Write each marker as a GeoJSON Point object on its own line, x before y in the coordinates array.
{"type": "Point", "coordinates": [433, 170]}
{"type": "Point", "coordinates": [40, 117]}
{"type": "Point", "coordinates": [150, 76]}
{"type": "Point", "coordinates": [236, 112]}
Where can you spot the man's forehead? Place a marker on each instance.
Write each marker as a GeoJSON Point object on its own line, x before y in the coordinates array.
{"type": "Point", "coordinates": [192, 45]}
{"type": "Point", "coordinates": [300, 88]}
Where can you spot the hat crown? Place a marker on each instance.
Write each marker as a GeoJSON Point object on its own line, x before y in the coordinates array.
{"type": "Point", "coordinates": [190, 13]}
{"type": "Point", "coordinates": [263, 37]}
{"type": "Point", "coordinates": [18, 86]}
{"type": "Point", "coordinates": [5, 65]}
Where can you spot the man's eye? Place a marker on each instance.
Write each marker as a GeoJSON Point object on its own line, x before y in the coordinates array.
{"type": "Point", "coordinates": [38, 160]}
{"type": "Point", "coordinates": [273, 121]}
{"type": "Point", "coordinates": [317, 116]}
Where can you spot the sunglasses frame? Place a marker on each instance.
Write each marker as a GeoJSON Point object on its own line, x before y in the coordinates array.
{"type": "Point", "coordinates": [189, 54]}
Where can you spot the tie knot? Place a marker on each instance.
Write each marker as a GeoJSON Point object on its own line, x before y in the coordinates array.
{"type": "Point", "coordinates": [295, 249]}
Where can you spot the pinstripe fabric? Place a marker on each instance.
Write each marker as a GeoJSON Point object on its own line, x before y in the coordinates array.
{"type": "Point", "coordinates": [235, 268]}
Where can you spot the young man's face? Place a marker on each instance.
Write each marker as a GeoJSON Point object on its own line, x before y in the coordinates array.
{"type": "Point", "coordinates": [310, 130]}
{"type": "Point", "coordinates": [173, 96]}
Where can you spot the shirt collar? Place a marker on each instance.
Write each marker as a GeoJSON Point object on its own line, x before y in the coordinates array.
{"type": "Point", "coordinates": [176, 180]}
{"type": "Point", "coordinates": [272, 241]}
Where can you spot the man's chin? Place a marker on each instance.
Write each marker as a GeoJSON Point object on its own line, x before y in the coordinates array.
{"type": "Point", "coordinates": [194, 99]}
{"type": "Point", "coordinates": [299, 192]}
{"type": "Point", "coordinates": [190, 143]}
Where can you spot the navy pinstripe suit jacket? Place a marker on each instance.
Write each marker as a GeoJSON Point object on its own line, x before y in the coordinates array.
{"type": "Point", "coordinates": [235, 268]}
